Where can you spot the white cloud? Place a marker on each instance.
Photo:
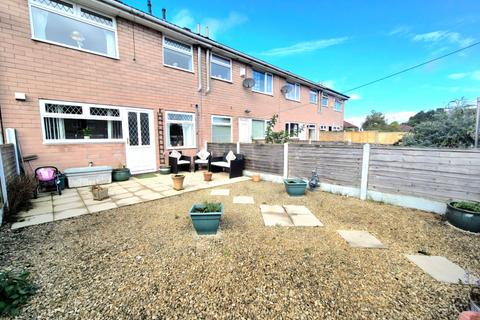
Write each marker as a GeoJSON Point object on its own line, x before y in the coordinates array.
{"type": "Point", "coordinates": [358, 121]}
{"type": "Point", "coordinates": [216, 26]}
{"type": "Point", "coordinates": [400, 31]}
{"type": "Point", "coordinates": [400, 117]}
{"type": "Point", "coordinates": [304, 46]}
{"type": "Point", "coordinates": [328, 83]}
{"type": "Point", "coordinates": [456, 76]}
{"type": "Point", "coordinates": [443, 36]}
{"type": "Point", "coordinates": [475, 75]}
{"type": "Point", "coordinates": [355, 96]}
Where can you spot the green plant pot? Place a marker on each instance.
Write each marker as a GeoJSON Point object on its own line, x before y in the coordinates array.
{"type": "Point", "coordinates": [122, 174]}
{"type": "Point", "coordinates": [205, 223]}
{"type": "Point", "coordinates": [463, 219]}
{"type": "Point", "coordinates": [165, 170]}
{"type": "Point", "coordinates": [295, 187]}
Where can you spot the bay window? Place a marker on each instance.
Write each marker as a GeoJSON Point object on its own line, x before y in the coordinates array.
{"type": "Point", "coordinates": [263, 82]}
{"type": "Point", "coordinates": [74, 26]}
{"type": "Point", "coordinates": [221, 129]}
{"type": "Point", "coordinates": [177, 54]}
{"type": "Point", "coordinates": [75, 122]}
{"type": "Point", "coordinates": [180, 130]}
{"type": "Point", "coordinates": [294, 93]}
{"type": "Point", "coordinates": [221, 68]}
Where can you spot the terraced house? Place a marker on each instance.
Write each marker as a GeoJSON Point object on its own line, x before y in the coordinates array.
{"type": "Point", "coordinates": [98, 81]}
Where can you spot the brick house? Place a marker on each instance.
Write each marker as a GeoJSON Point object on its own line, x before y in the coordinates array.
{"type": "Point", "coordinates": [108, 84]}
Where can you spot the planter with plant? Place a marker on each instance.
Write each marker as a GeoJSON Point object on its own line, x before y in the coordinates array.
{"type": "Point", "coordinates": [206, 217]}
{"type": "Point", "coordinates": [15, 289]}
{"type": "Point", "coordinates": [87, 132]}
{"type": "Point", "coordinates": [295, 187]}
{"type": "Point", "coordinates": [121, 173]}
{"type": "Point", "coordinates": [178, 181]}
{"type": "Point", "coordinates": [207, 176]}
{"type": "Point", "coordinates": [464, 215]}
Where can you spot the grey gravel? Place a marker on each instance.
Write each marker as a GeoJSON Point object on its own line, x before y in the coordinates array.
{"type": "Point", "coordinates": [146, 262]}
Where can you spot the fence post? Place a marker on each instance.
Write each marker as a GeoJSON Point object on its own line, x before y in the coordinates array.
{"type": "Point", "coordinates": [365, 165]}
{"type": "Point", "coordinates": [238, 147]}
{"type": "Point", "coordinates": [285, 160]}
{"type": "Point", "coordinates": [3, 186]}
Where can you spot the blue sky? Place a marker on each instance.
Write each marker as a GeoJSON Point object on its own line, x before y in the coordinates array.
{"type": "Point", "coordinates": [348, 43]}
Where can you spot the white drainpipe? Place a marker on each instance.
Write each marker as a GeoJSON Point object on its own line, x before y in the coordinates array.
{"type": "Point", "coordinates": [208, 71]}
{"type": "Point", "coordinates": [199, 63]}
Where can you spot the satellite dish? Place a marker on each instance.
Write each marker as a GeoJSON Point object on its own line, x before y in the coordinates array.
{"type": "Point", "coordinates": [286, 89]}
{"type": "Point", "coordinates": [248, 83]}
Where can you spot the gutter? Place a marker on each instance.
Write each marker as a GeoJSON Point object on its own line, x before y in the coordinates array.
{"type": "Point", "coordinates": [130, 12]}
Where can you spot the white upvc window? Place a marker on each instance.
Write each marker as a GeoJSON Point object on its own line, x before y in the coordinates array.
{"type": "Point", "coordinates": [68, 122]}
{"type": "Point", "coordinates": [263, 82]}
{"type": "Point", "coordinates": [296, 130]}
{"type": "Point", "coordinates": [312, 132]}
{"type": "Point", "coordinates": [221, 68]}
{"type": "Point", "coordinates": [259, 128]}
{"type": "Point", "coordinates": [294, 93]}
{"type": "Point", "coordinates": [74, 26]}
{"type": "Point", "coordinates": [336, 128]}
{"type": "Point", "coordinates": [180, 130]}
{"type": "Point", "coordinates": [324, 99]}
{"type": "Point", "coordinates": [323, 128]}
{"type": "Point", "coordinates": [338, 105]}
{"type": "Point", "coordinates": [313, 97]}
{"type": "Point", "coordinates": [177, 54]}
{"type": "Point", "coordinates": [221, 129]}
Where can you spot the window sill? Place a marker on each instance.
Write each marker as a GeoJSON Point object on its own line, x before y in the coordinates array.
{"type": "Point", "coordinates": [223, 80]}
{"type": "Point", "coordinates": [180, 69]}
{"type": "Point", "coordinates": [74, 48]}
{"type": "Point", "coordinates": [180, 148]}
{"type": "Point", "coordinates": [264, 93]}
{"type": "Point", "coordinates": [293, 100]}
{"type": "Point", "coordinates": [84, 141]}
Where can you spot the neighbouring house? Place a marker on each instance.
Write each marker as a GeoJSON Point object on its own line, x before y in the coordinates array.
{"type": "Point", "coordinates": [347, 126]}
{"type": "Point", "coordinates": [98, 81]}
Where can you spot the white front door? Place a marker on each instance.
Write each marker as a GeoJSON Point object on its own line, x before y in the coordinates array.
{"type": "Point", "coordinates": [140, 144]}
{"type": "Point", "coordinates": [244, 130]}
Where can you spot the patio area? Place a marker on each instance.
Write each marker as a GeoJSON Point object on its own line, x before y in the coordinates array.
{"type": "Point", "coordinates": [146, 261]}
{"type": "Point", "coordinates": [79, 201]}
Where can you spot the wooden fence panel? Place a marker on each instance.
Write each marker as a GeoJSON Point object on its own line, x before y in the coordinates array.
{"type": "Point", "coordinates": [263, 157]}
{"type": "Point", "coordinates": [218, 149]}
{"type": "Point", "coordinates": [336, 165]}
{"type": "Point", "coordinates": [436, 174]}
{"type": "Point", "coordinates": [7, 152]}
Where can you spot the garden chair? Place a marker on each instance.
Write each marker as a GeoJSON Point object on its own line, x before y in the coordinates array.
{"type": "Point", "coordinates": [233, 163]}
{"type": "Point", "coordinates": [47, 177]}
{"type": "Point", "coordinates": [179, 162]}
{"type": "Point", "coordinates": [202, 158]}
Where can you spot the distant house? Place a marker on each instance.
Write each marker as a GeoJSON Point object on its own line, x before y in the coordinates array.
{"type": "Point", "coordinates": [347, 126]}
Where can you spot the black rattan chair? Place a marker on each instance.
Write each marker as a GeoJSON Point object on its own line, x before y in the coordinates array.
{"type": "Point", "coordinates": [182, 164]}
{"type": "Point", "coordinates": [234, 168]}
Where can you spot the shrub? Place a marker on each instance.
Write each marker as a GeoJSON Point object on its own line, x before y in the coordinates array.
{"type": "Point", "coordinates": [20, 191]}
{"type": "Point", "coordinates": [15, 289]}
{"type": "Point", "coordinates": [209, 207]}
{"type": "Point", "coordinates": [467, 205]}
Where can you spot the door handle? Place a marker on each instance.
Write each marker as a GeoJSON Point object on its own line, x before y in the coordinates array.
{"type": "Point", "coordinates": [128, 141]}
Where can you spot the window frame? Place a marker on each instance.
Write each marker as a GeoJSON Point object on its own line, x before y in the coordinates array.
{"type": "Point", "coordinates": [84, 116]}
{"type": "Point", "coordinates": [315, 92]}
{"type": "Point", "coordinates": [323, 128]}
{"type": "Point", "coordinates": [167, 132]}
{"type": "Point", "coordinates": [265, 86]}
{"type": "Point", "coordinates": [222, 125]}
{"type": "Point", "coordinates": [75, 16]}
{"type": "Point", "coordinates": [295, 85]}
{"type": "Point", "coordinates": [264, 132]}
{"type": "Point", "coordinates": [179, 51]}
{"type": "Point", "coordinates": [339, 101]}
{"type": "Point", "coordinates": [223, 65]}
{"type": "Point", "coordinates": [310, 126]}
{"type": "Point", "coordinates": [299, 124]}
{"type": "Point", "coordinates": [325, 95]}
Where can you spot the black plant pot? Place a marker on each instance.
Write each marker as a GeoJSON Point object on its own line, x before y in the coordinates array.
{"type": "Point", "coordinates": [463, 219]}
{"type": "Point", "coordinates": [122, 174]}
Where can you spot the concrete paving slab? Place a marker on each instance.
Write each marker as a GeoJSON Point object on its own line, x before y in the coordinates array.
{"type": "Point", "coordinates": [101, 206]}
{"type": "Point", "coordinates": [60, 201]}
{"type": "Point", "coordinates": [128, 201]}
{"type": "Point", "coordinates": [272, 219]}
{"type": "Point", "coordinates": [360, 239]}
{"type": "Point", "coordinates": [71, 205]}
{"type": "Point", "coordinates": [38, 208]}
{"type": "Point", "coordinates": [152, 196]}
{"type": "Point", "coordinates": [441, 269]}
{"type": "Point", "coordinates": [70, 213]}
{"type": "Point", "coordinates": [33, 220]}
{"type": "Point", "coordinates": [271, 209]}
{"type": "Point", "coordinates": [42, 198]}
{"type": "Point", "coordinates": [220, 192]}
{"type": "Point", "coordinates": [303, 220]}
{"type": "Point", "coordinates": [243, 200]}
{"type": "Point", "coordinates": [293, 209]}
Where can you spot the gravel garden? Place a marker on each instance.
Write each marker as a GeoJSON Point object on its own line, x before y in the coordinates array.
{"type": "Point", "coordinates": [146, 262]}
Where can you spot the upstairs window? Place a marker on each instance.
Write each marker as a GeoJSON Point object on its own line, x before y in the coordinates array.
{"type": "Point", "coordinates": [180, 130]}
{"type": "Point", "coordinates": [294, 93]}
{"type": "Point", "coordinates": [177, 54]}
{"type": "Point", "coordinates": [313, 97]}
{"type": "Point", "coordinates": [324, 100]}
{"type": "Point", "coordinates": [71, 25]}
{"type": "Point", "coordinates": [221, 68]}
{"type": "Point", "coordinates": [263, 82]}
{"type": "Point", "coordinates": [338, 105]}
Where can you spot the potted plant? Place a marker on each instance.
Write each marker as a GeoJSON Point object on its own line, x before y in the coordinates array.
{"type": "Point", "coordinates": [206, 217]}
{"type": "Point", "coordinates": [165, 170]}
{"type": "Point", "coordinates": [256, 177]}
{"type": "Point", "coordinates": [87, 132]}
{"type": "Point", "coordinates": [178, 181]}
{"type": "Point", "coordinates": [295, 187]}
{"type": "Point", "coordinates": [207, 176]}
{"type": "Point", "coordinates": [122, 173]}
{"type": "Point", "coordinates": [464, 215]}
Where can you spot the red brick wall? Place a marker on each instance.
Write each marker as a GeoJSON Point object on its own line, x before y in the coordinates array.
{"type": "Point", "coordinates": [53, 72]}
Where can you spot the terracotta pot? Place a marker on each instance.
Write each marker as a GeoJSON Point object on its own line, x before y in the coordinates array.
{"type": "Point", "coordinates": [256, 178]}
{"type": "Point", "coordinates": [207, 176]}
{"type": "Point", "coordinates": [178, 181]}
